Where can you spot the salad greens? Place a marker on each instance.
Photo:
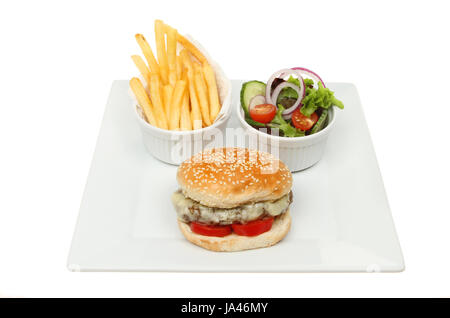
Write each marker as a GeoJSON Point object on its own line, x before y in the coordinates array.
{"type": "Point", "coordinates": [281, 124]}
{"type": "Point", "coordinates": [288, 92]}
{"type": "Point", "coordinates": [311, 116]}
{"type": "Point", "coordinates": [278, 122]}
{"type": "Point", "coordinates": [320, 97]}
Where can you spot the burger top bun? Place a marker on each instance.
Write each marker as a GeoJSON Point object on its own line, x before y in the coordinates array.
{"type": "Point", "coordinates": [230, 177]}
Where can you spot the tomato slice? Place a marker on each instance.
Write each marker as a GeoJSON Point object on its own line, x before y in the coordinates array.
{"type": "Point", "coordinates": [253, 228]}
{"type": "Point", "coordinates": [210, 230]}
{"type": "Point", "coordinates": [302, 122]}
{"type": "Point", "coordinates": [263, 113]}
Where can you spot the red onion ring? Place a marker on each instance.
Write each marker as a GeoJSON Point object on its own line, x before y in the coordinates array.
{"type": "Point", "coordinates": [310, 74]}
{"type": "Point", "coordinates": [256, 100]}
{"type": "Point", "coordinates": [287, 113]}
{"type": "Point", "coordinates": [300, 90]}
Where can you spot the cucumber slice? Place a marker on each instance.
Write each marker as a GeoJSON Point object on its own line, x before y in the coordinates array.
{"type": "Point", "coordinates": [250, 90]}
{"type": "Point", "coordinates": [321, 122]}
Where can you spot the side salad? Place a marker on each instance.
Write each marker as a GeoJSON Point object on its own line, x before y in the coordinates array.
{"type": "Point", "coordinates": [294, 101]}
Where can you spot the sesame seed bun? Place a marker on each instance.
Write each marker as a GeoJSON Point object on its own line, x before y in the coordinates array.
{"type": "Point", "coordinates": [230, 177]}
{"type": "Point", "coordinates": [234, 243]}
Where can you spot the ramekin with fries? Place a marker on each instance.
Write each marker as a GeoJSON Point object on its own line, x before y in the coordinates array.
{"type": "Point", "coordinates": [182, 95]}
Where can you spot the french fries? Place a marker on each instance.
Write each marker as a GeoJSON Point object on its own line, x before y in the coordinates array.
{"type": "Point", "coordinates": [179, 67]}
{"type": "Point", "coordinates": [175, 105]}
{"type": "Point", "coordinates": [200, 88]}
{"type": "Point", "coordinates": [155, 93]}
{"type": "Point", "coordinates": [210, 78]}
{"type": "Point", "coordinates": [191, 48]}
{"type": "Point", "coordinates": [185, 120]}
{"type": "Point", "coordinates": [167, 97]}
{"type": "Point", "coordinates": [161, 49]}
{"type": "Point", "coordinates": [181, 92]}
{"type": "Point", "coordinates": [196, 115]}
{"type": "Point", "coordinates": [172, 54]}
{"type": "Point", "coordinates": [143, 100]}
{"type": "Point", "coordinates": [148, 54]}
{"type": "Point", "coordinates": [142, 67]}
{"type": "Point", "coordinates": [186, 60]}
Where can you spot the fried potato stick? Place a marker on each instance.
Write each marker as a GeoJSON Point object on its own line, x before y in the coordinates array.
{"type": "Point", "coordinates": [172, 54]}
{"type": "Point", "coordinates": [185, 120]}
{"type": "Point", "coordinates": [161, 50]}
{"type": "Point", "coordinates": [191, 48]}
{"type": "Point", "coordinates": [167, 97]}
{"type": "Point", "coordinates": [200, 88]}
{"type": "Point", "coordinates": [213, 92]}
{"type": "Point", "coordinates": [179, 67]}
{"type": "Point", "coordinates": [142, 67]}
{"type": "Point", "coordinates": [196, 115]}
{"type": "Point", "coordinates": [143, 100]}
{"type": "Point", "coordinates": [175, 105]}
{"type": "Point", "coordinates": [155, 94]}
{"type": "Point", "coordinates": [148, 54]}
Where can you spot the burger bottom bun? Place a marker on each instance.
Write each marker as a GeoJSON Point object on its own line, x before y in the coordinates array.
{"type": "Point", "coordinates": [234, 243]}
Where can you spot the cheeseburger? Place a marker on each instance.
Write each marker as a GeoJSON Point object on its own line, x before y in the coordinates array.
{"type": "Point", "coordinates": [233, 199]}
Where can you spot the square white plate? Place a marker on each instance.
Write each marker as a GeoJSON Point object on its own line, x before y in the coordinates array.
{"type": "Point", "coordinates": [341, 220]}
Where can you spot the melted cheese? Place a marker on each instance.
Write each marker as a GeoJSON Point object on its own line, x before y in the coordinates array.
{"type": "Point", "coordinates": [189, 210]}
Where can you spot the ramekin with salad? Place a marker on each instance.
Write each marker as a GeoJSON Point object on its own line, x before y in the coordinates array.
{"type": "Point", "coordinates": [297, 103]}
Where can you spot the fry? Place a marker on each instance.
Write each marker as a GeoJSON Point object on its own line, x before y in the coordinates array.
{"type": "Point", "coordinates": [161, 49]}
{"type": "Point", "coordinates": [172, 77]}
{"type": "Point", "coordinates": [200, 88]}
{"type": "Point", "coordinates": [167, 97]}
{"type": "Point", "coordinates": [191, 48]}
{"type": "Point", "coordinates": [196, 115]}
{"type": "Point", "coordinates": [210, 78]}
{"type": "Point", "coordinates": [143, 100]}
{"type": "Point", "coordinates": [148, 54]}
{"type": "Point", "coordinates": [172, 54]}
{"type": "Point", "coordinates": [179, 67]}
{"type": "Point", "coordinates": [175, 105]}
{"type": "Point", "coordinates": [142, 67]}
{"type": "Point", "coordinates": [155, 93]}
{"type": "Point", "coordinates": [185, 120]}
{"type": "Point", "coordinates": [186, 59]}
{"type": "Point", "coordinates": [197, 67]}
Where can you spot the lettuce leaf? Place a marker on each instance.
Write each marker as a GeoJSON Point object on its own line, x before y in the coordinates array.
{"type": "Point", "coordinates": [288, 92]}
{"type": "Point", "coordinates": [279, 123]}
{"type": "Point", "coordinates": [320, 97]}
{"type": "Point", "coordinates": [308, 82]}
{"type": "Point", "coordinates": [294, 80]}
{"type": "Point", "coordinates": [314, 98]}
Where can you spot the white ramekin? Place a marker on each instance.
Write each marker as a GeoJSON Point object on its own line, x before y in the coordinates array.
{"type": "Point", "coordinates": [174, 147]}
{"type": "Point", "coordinates": [298, 153]}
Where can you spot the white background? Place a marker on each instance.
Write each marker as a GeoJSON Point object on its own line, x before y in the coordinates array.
{"type": "Point", "coordinates": [58, 59]}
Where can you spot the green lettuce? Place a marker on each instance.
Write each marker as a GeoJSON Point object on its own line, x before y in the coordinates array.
{"type": "Point", "coordinates": [320, 97]}
{"type": "Point", "coordinates": [289, 92]}
{"type": "Point", "coordinates": [294, 80]}
{"type": "Point", "coordinates": [279, 123]}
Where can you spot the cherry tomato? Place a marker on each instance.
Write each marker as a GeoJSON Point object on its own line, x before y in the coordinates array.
{"type": "Point", "coordinates": [263, 113]}
{"type": "Point", "coordinates": [253, 228]}
{"type": "Point", "coordinates": [302, 122]}
{"type": "Point", "coordinates": [210, 230]}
